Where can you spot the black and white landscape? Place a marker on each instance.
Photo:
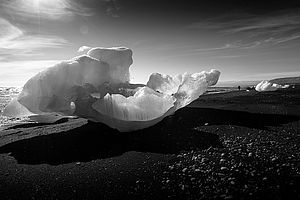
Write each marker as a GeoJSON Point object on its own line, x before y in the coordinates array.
{"type": "Point", "coordinates": [148, 99]}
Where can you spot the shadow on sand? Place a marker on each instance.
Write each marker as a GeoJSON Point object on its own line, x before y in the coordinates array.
{"type": "Point", "coordinates": [172, 135]}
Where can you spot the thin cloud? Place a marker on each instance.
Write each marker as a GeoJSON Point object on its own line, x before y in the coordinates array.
{"type": "Point", "coordinates": [236, 49]}
{"type": "Point", "coordinates": [254, 31]}
{"type": "Point", "coordinates": [14, 42]}
{"type": "Point", "coordinates": [274, 24]}
{"type": "Point", "coordinates": [235, 46]}
{"type": "Point", "coordinates": [112, 8]}
{"type": "Point", "coordinates": [272, 75]}
{"type": "Point", "coordinates": [247, 32]}
{"type": "Point", "coordinates": [239, 45]}
{"type": "Point", "coordinates": [49, 9]}
{"type": "Point", "coordinates": [229, 56]}
{"type": "Point", "coordinates": [8, 31]}
{"type": "Point", "coordinates": [269, 42]}
{"type": "Point", "coordinates": [287, 39]}
{"type": "Point", "coordinates": [224, 47]}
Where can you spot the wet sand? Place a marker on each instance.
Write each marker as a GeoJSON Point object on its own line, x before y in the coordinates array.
{"type": "Point", "coordinates": [237, 145]}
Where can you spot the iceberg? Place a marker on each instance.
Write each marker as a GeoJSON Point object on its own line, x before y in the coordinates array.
{"type": "Point", "coordinates": [268, 86]}
{"type": "Point", "coordinates": [96, 86]}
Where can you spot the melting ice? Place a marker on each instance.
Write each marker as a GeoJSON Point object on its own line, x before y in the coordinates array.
{"type": "Point", "coordinates": [96, 87]}
{"type": "Point", "coordinates": [268, 86]}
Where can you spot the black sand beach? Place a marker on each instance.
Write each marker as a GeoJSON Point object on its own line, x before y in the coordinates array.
{"type": "Point", "coordinates": [237, 145]}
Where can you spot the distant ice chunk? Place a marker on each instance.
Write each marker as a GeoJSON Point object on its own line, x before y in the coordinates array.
{"type": "Point", "coordinates": [83, 48]}
{"type": "Point", "coordinates": [96, 87]}
{"type": "Point", "coordinates": [268, 86]}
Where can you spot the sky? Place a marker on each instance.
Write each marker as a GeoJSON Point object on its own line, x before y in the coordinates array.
{"type": "Point", "coordinates": [245, 40]}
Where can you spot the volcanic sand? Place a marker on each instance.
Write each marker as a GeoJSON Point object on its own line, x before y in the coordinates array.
{"type": "Point", "coordinates": [224, 146]}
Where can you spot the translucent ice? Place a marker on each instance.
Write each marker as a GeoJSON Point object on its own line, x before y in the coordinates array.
{"type": "Point", "coordinates": [96, 87]}
{"type": "Point", "coordinates": [268, 86]}
{"type": "Point", "coordinates": [146, 104]}
{"type": "Point", "coordinates": [119, 60]}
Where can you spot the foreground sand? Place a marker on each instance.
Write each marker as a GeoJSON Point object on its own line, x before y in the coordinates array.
{"type": "Point", "coordinates": [238, 145]}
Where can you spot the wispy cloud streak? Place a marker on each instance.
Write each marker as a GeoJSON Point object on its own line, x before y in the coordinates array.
{"type": "Point", "coordinates": [14, 42]}
{"type": "Point", "coordinates": [271, 75]}
{"type": "Point", "coordinates": [274, 24]}
{"type": "Point", "coordinates": [46, 9]}
{"type": "Point", "coordinates": [252, 30]}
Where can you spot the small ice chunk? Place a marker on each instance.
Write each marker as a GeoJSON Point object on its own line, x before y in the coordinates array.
{"type": "Point", "coordinates": [268, 86]}
{"type": "Point", "coordinates": [96, 95]}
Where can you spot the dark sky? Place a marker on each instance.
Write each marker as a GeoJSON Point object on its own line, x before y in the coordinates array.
{"type": "Point", "coordinates": [245, 40]}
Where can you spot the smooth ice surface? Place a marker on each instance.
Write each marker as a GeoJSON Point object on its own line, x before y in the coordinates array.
{"type": "Point", "coordinates": [96, 86]}
{"type": "Point", "coordinates": [268, 86]}
{"type": "Point", "coordinates": [119, 60]}
{"type": "Point", "coordinates": [15, 109]}
{"type": "Point", "coordinates": [144, 105]}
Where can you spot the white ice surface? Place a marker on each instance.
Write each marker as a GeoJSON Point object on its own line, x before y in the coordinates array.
{"type": "Point", "coordinates": [96, 86]}
{"type": "Point", "coordinates": [268, 86]}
